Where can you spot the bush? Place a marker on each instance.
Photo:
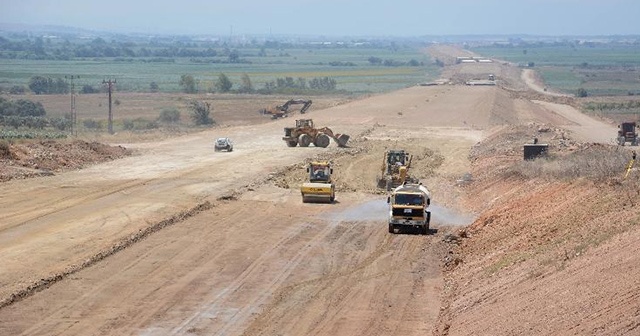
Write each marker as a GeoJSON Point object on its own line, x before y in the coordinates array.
{"type": "Point", "coordinates": [200, 113]}
{"type": "Point", "coordinates": [598, 163]}
{"type": "Point", "coordinates": [5, 149]}
{"type": "Point", "coordinates": [582, 93]}
{"type": "Point", "coordinates": [61, 124]}
{"type": "Point", "coordinates": [17, 89]}
{"type": "Point", "coordinates": [169, 115]}
{"type": "Point", "coordinates": [223, 84]}
{"type": "Point", "coordinates": [139, 124]}
{"type": "Point", "coordinates": [88, 89]}
{"type": "Point", "coordinates": [128, 124]}
{"type": "Point", "coordinates": [92, 124]}
{"type": "Point", "coordinates": [153, 87]}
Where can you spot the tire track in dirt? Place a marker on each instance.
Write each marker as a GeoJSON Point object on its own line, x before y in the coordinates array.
{"type": "Point", "coordinates": [63, 204]}
{"type": "Point", "coordinates": [47, 280]}
{"type": "Point", "coordinates": [262, 322]}
{"type": "Point", "coordinates": [330, 297]}
{"type": "Point", "coordinates": [228, 223]}
{"type": "Point", "coordinates": [212, 306]}
{"type": "Point", "coordinates": [293, 239]}
{"type": "Point", "coordinates": [123, 244]}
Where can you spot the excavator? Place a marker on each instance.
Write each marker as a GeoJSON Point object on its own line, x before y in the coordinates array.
{"type": "Point", "coordinates": [305, 133]}
{"type": "Point", "coordinates": [395, 169]}
{"type": "Point", "coordinates": [320, 187]}
{"type": "Point", "coordinates": [281, 111]}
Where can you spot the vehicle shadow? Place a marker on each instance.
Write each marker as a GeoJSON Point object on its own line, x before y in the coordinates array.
{"type": "Point", "coordinates": [415, 231]}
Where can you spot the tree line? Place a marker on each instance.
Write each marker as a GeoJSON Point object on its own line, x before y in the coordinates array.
{"type": "Point", "coordinates": [41, 50]}
{"type": "Point", "coordinates": [189, 84]}
{"type": "Point", "coordinates": [279, 85]}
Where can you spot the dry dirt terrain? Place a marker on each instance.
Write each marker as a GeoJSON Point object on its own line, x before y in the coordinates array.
{"type": "Point", "coordinates": [175, 239]}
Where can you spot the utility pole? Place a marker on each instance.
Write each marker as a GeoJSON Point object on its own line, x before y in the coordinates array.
{"type": "Point", "coordinates": [110, 84]}
{"type": "Point", "coordinates": [74, 117]}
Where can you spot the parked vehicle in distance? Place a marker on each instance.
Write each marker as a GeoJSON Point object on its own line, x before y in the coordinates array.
{"type": "Point", "coordinates": [224, 144]}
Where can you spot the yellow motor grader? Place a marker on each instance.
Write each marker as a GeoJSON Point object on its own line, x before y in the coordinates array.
{"type": "Point", "coordinates": [395, 169]}
{"type": "Point", "coordinates": [320, 187]}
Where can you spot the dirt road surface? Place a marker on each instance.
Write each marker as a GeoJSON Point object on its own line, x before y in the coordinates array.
{"type": "Point", "coordinates": [180, 240]}
{"type": "Point", "coordinates": [583, 127]}
{"type": "Point", "coordinates": [529, 76]}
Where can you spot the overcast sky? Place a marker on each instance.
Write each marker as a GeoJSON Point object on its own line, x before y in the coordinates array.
{"type": "Point", "coordinates": [334, 17]}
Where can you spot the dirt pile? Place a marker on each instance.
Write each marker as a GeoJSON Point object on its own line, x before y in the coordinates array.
{"type": "Point", "coordinates": [46, 157]}
{"type": "Point", "coordinates": [352, 166]}
{"type": "Point", "coordinates": [553, 255]}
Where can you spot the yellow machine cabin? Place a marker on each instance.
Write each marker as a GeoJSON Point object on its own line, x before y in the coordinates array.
{"type": "Point", "coordinates": [395, 169]}
{"type": "Point", "coordinates": [320, 187]}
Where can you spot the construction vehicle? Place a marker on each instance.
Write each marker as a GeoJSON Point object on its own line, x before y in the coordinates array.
{"type": "Point", "coordinates": [305, 134]}
{"type": "Point", "coordinates": [395, 169]}
{"type": "Point", "coordinates": [408, 207]}
{"type": "Point", "coordinates": [281, 111]}
{"type": "Point", "coordinates": [320, 187]}
{"type": "Point", "coordinates": [627, 133]}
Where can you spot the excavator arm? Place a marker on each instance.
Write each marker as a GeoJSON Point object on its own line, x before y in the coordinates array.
{"type": "Point", "coordinates": [281, 111]}
{"type": "Point", "coordinates": [285, 108]}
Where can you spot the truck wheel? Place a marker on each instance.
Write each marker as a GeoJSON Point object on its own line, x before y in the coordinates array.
{"type": "Point", "coordinates": [425, 229]}
{"type": "Point", "coordinates": [391, 228]}
{"type": "Point", "coordinates": [621, 141]}
{"type": "Point", "coordinates": [304, 140]}
{"type": "Point", "coordinates": [322, 140]}
{"type": "Point", "coordinates": [292, 143]}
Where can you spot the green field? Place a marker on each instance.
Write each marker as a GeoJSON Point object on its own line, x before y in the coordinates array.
{"type": "Point", "coordinates": [136, 74]}
{"type": "Point", "coordinates": [601, 69]}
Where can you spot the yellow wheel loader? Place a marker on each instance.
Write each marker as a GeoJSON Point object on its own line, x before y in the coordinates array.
{"type": "Point", "coordinates": [305, 134]}
{"type": "Point", "coordinates": [320, 187]}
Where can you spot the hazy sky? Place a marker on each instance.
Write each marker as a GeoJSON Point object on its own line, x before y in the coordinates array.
{"type": "Point", "coordinates": [334, 17]}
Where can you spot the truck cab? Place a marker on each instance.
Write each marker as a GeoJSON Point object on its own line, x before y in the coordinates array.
{"type": "Point", "coordinates": [408, 207]}
{"type": "Point", "coordinates": [627, 133]}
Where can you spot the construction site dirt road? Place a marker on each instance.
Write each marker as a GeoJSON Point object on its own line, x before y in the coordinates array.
{"type": "Point", "coordinates": [177, 239]}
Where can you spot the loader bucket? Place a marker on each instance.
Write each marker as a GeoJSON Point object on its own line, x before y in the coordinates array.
{"type": "Point", "coordinates": [342, 140]}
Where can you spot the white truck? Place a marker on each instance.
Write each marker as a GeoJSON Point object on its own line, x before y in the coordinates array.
{"type": "Point", "coordinates": [408, 207]}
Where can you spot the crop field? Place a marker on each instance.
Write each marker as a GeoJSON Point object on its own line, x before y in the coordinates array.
{"type": "Point", "coordinates": [610, 69]}
{"type": "Point", "coordinates": [349, 67]}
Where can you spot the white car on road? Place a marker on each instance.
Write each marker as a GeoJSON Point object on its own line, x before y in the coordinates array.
{"type": "Point", "coordinates": [224, 144]}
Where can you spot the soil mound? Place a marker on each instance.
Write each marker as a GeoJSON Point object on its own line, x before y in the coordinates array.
{"type": "Point", "coordinates": [46, 157]}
